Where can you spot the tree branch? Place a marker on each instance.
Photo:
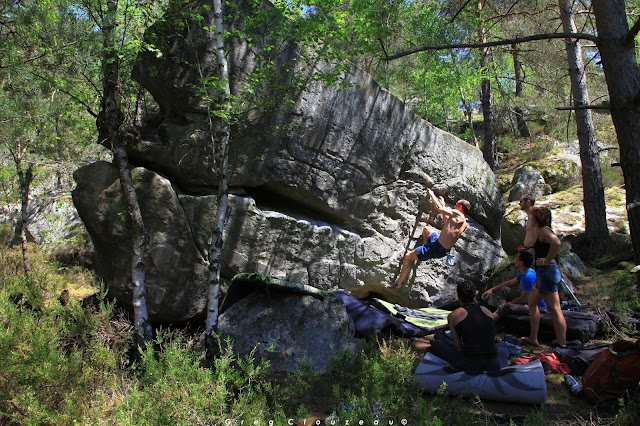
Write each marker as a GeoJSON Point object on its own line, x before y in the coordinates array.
{"type": "Point", "coordinates": [633, 32]}
{"type": "Point", "coordinates": [71, 95]}
{"type": "Point", "coordinates": [42, 55]}
{"type": "Point", "coordinates": [386, 55]}
{"type": "Point", "coordinates": [583, 107]}
{"type": "Point", "coordinates": [506, 42]}
{"type": "Point", "coordinates": [458, 12]}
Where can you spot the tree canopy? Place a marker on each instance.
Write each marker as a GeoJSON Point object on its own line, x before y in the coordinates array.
{"type": "Point", "coordinates": [434, 55]}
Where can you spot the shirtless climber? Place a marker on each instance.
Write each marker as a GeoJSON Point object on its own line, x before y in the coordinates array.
{"type": "Point", "coordinates": [437, 244]}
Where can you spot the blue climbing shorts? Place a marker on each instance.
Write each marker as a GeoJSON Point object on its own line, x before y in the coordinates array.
{"type": "Point", "coordinates": [433, 249]}
{"type": "Point", "coordinates": [547, 278]}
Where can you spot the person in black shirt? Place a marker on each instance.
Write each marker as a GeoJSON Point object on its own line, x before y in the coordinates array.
{"type": "Point", "coordinates": [472, 346]}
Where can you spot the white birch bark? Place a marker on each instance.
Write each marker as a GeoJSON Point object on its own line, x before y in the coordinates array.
{"type": "Point", "coordinates": [109, 125]}
{"type": "Point", "coordinates": [220, 150]}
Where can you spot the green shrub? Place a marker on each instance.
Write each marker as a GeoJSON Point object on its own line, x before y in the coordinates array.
{"type": "Point", "coordinates": [6, 233]}
{"type": "Point", "coordinates": [624, 292]}
{"type": "Point", "coordinates": [175, 388]}
{"type": "Point", "coordinates": [43, 380]}
{"type": "Point", "coordinates": [505, 143]}
{"type": "Point", "coordinates": [611, 176]}
{"type": "Point", "coordinates": [378, 384]}
{"type": "Point", "coordinates": [629, 412]}
{"type": "Point", "coordinates": [537, 128]}
{"type": "Point", "coordinates": [53, 357]}
{"type": "Point", "coordinates": [536, 417]}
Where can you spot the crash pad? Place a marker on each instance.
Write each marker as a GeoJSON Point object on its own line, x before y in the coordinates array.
{"type": "Point", "coordinates": [581, 326]}
{"type": "Point", "coordinates": [524, 383]}
{"type": "Point", "coordinates": [429, 319]}
{"type": "Point", "coordinates": [369, 320]}
{"type": "Point", "coordinates": [244, 284]}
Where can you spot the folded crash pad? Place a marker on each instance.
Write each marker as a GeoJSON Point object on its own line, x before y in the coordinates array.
{"type": "Point", "coordinates": [370, 321]}
{"type": "Point", "coordinates": [429, 319]}
{"type": "Point", "coordinates": [244, 284]}
{"type": "Point", "coordinates": [516, 383]}
{"type": "Point", "coordinates": [580, 325]}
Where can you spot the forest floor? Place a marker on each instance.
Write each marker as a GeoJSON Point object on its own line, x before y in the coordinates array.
{"type": "Point", "coordinates": [562, 406]}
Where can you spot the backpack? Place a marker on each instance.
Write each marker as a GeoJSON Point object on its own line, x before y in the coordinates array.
{"type": "Point", "coordinates": [614, 371]}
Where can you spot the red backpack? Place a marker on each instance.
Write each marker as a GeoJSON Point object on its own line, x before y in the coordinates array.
{"type": "Point", "coordinates": [614, 371]}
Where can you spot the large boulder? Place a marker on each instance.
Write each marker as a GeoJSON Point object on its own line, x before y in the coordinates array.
{"type": "Point", "coordinates": [325, 189]}
{"type": "Point", "coordinates": [52, 218]}
{"type": "Point", "coordinates": [175, 268]}
{"type": "Point", "coordinates": [301, 249]}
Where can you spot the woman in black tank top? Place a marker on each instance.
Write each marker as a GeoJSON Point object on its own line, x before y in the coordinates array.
{"type": "Point", "coordinates": [477, 332]}
{"type": "Point", "coordinates": [472, 346]}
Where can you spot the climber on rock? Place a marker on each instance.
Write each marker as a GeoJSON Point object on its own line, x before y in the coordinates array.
{"type": "Point", "coordinates": [437, 243]}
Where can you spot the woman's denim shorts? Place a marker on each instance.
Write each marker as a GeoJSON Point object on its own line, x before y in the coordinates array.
{"type": "Point", "coordinates": [547, 278]}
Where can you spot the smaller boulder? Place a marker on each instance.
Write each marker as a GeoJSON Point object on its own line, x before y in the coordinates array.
{"type": "Point", "coordinates": [571, 264]}
{"type": "Point", "coordinates": [512, 229]}
{"type": "Point", "coordinates": [527, 180]}
{"type": "Point", "coordinates": [289, 330]}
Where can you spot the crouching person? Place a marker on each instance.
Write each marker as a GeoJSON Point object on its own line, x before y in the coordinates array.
{"type": "Point", "coordinates": [526, 277]}
{"type": "Point", "coordinates": [472, 346]}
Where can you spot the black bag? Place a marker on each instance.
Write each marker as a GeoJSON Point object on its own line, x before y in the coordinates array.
{"type": "Point", "coordinates": [579, 358]}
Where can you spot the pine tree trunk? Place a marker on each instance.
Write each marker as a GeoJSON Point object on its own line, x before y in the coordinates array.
{"type": "Point", "coordinates": [623, 81]}
{"type": "Point", "coordinates": [490, 150]}
{"type": "Point", "coordinates": [137, 119]}
{"type": "Point", "coordinates": [521, 123]}
{"type": "Point", "coordinates": [24, 180]}
{"type": "Point", "coordinates": [469, 114]}
{"type": "Point", "coordinates": [595, 215]}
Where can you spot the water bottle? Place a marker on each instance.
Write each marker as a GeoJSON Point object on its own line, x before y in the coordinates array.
{"type": "Point", "coordinates": [451, 257]}
{"type": "Point", "coordinates": [573, 383]}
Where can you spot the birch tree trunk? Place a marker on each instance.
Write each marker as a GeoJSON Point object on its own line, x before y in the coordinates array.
{"type": "Point", "coordinates": [110, 121]}
{"type": "Point", "coordinates": [623, 81]}
{"type": "Point", "coordinates": [595, 214]}
{"type": "Point", "coordinates": [221, 164]}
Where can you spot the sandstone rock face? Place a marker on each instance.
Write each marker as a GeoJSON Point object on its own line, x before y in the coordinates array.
{"type": "Point", "coordinates": [289, 330]}
{"type": "Point", "coordinates": [325, 189]}
{"type": "Point", "coordinates": [176, 270]}
{"type": "Point", "coordinates": [52, 218]}
{"type": "Point", "coordinates": [569, 262]}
